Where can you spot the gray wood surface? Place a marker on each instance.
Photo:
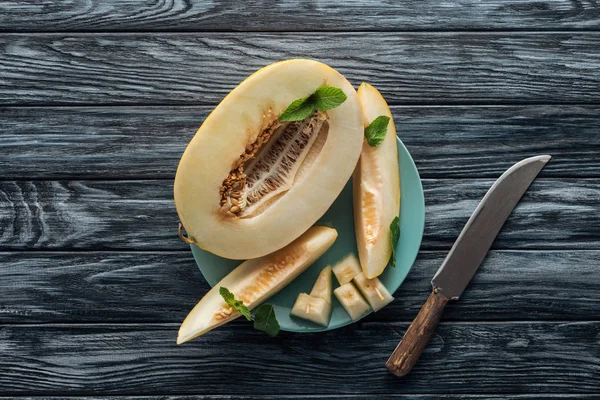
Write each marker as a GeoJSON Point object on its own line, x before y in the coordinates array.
{"type": "Point", "coordinates": [411, 68]}
{"type": "Point", "coordinates": [67, 287]}
{"type": "Point", "coordinates": [98, 99]}
{"type": "Point", "coordinates": [140, 215]}
{"type": "Point", "coordinates": [144, 359]}
{"type": "Point", "coordinates": [330, 15]}
{"type": "Point", "coordinates": [544, 396]}
{"type": "Point", "coordinates": [147, 142]}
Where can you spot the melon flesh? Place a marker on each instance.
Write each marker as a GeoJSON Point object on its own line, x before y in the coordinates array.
{"type": "Point", "coordinates": [248, 184]}
{"type": "Point", "coordinates": [346, 269]}
{"type": "Point", "coordinates": [376, 188]}
{"type": "Point", "coordinates": [373, 290]}
{"type": "Point", "coordinates": [256, 280]}
{"type": "Point", "coordinates": [316, 306]}
{"type": "Point", "coordinates": [352, 301]}
{"type": "Point", "coordinates": [323, 285]}
{"type": "Point", "coordinates": [312, 308]}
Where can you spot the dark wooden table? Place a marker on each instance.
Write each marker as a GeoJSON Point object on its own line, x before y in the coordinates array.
{"type": "Point", "coordinates": [98, 99]}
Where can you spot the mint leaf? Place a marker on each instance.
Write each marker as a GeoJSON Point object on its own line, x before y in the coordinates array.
{"type": "Point", "coordinates": [298, 110]}
{"type": "Point", "coordinates": [236, 304]}
{"type": "Point", "coordinates": [395, 235]}
{"type": "Point", "coordinates": [226, 295]}
{"type": "Point", "coordinates": [264, 317]}
{"type": "Point", "coordinates": [375, 132]}
{"type": "Point", "coordinates": [323, 99]}
{"type": "Point", "coordinates": [265, 320]}
{"type": "Point", "coordinates": [328, 97]}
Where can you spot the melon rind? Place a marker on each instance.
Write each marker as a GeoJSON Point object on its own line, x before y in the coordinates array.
{"type": "Point", "coordinates": [236, 122]}
{"type": "Point", "coordinates": [376, 188]}
{"type": "Point", "coordinates": [290, 262]}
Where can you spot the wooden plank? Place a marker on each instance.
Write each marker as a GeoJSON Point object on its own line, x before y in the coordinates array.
{"type": "Point", "coordinates": [139, 359]}
{"type": "Point", "coordinates": [162, 287]}
{"type": "Point", "coordinates": [147, 142]}
{"type": "Point", "coordinates": [140, 215]}
{"type": "Point", "coordinates": [415, 68]}
{"type": "Point", "coordinates": [328, 15]}
{"type": "Point", "coordinates": [544, 396]}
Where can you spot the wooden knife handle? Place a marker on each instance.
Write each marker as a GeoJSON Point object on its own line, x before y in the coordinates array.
{"type": "Point", "coordinates": [408, 351]}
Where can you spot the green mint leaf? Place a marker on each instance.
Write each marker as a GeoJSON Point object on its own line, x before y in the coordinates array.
{"type": "Point", "coordinates": [395, 235]}
{"type": "Point", "coordinates": [323, 99]}
{"type": "Point", "coordinates": [236, 304]}
{"type": "Point", "coordinates": [265, 320]}
{"type": "Point", "coordinates": [375, 132]}
{"type": "Point", "coordinates": [241, 307]}
{"type": "Point", "coordinates": [328, 97]}
{"type": "Point", "coordinates": [298, 110]}
{"type": "Point", "coordinates": [226, 295]}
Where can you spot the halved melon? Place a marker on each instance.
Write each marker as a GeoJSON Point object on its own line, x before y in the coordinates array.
{"type": "Point", "coordinates": [376, 188]}
{"type": "Point", "coordinates": [249, 184]}
{"type": "Point", "coordinates": [256, 280]}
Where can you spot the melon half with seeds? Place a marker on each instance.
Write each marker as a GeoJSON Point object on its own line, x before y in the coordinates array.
{"type": "Point", "coordinates": [248, 184]}
{"type": "Point", "coordinates": [376, 188]}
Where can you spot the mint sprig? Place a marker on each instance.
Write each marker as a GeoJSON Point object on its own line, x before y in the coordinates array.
{"type": "Point", "coordinates": [236, 304]}
{"type": "Point", "coordinates": [323, 99]}
{"type": "Point", "coordinates": [328, 97]}
{"type": "Point", "coordinates": [297, 110]}
{"type": "Point", "coordinates": [394, 236]}
{"type": "Point", "coordinates": [375, 132]}
{"type": "Point", "coordinates": [264, 315]}
{"type": "Point", "coordinates": [265, 320]}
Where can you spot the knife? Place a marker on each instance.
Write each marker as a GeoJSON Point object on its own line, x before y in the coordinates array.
{"type": "Point", "coordinates": [464, 258]}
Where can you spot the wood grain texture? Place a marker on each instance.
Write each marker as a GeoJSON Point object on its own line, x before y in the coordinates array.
{"type": "Point", "coordinates": [329, 15]}
{"type": "Point", "coordinates": [140, 215]}
{"type": "Point", "coordinates": [141, 359]}
{"type": "Point", "coordinates": [147, 142]}
{"type": "Point", "coordinates": [122, 287]}
{"type": "Point", "coordinates": [544, 396]}
{"type": "Point", "coordinates": [417, 336]}
{"type": "Point", "coordinates": [414, 68]}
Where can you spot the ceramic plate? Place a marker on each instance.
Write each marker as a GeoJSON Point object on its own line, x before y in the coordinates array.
{"type": "Point", "coordinates": [340, 217]}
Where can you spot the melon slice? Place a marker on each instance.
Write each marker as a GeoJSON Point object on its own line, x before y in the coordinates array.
{"type": "Point", "coordinates": [256, 280]}
{"type": "Point", "coordinates": [316, 306]}
{"type": "Point", "coordinates": [313, 309]}
{"type": "Point", "coordinates": [346, 269]}
{"type": "Point", "coordinates": [354, 304]}
{"type": "Point", "coordinates": [249, 184]}
{"type": "Point", "coordinates": [376, 188]}
{"type": "Point", "coordinates": [322, 287]}
{"type": "Point", "coordinates": [373, 290]}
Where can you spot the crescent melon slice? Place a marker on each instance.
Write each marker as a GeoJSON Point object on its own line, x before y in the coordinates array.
{"type": "Point", "coordinates": [376, 188]}
{"type": "Point", "coordinates": [249, 184]}
{"type": "Point", "coordinates": [256, 280]}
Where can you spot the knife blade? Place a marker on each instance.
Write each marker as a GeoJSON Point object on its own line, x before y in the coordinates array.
{"type": "Point", "coordinates": [464, 258]}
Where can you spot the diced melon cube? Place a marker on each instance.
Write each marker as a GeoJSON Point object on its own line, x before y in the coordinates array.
{"type": "Point", "coordinates": [376, 294]}
{"type": "Point", "coordinates": [312, 309]}
{"type": "Point", "coordinates": [352, 301]}
{"type": "Point", "coordinates": [346, 269]}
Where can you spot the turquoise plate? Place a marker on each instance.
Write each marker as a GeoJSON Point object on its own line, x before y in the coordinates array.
{"type": "Point", "coordinates": [340, 217]}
